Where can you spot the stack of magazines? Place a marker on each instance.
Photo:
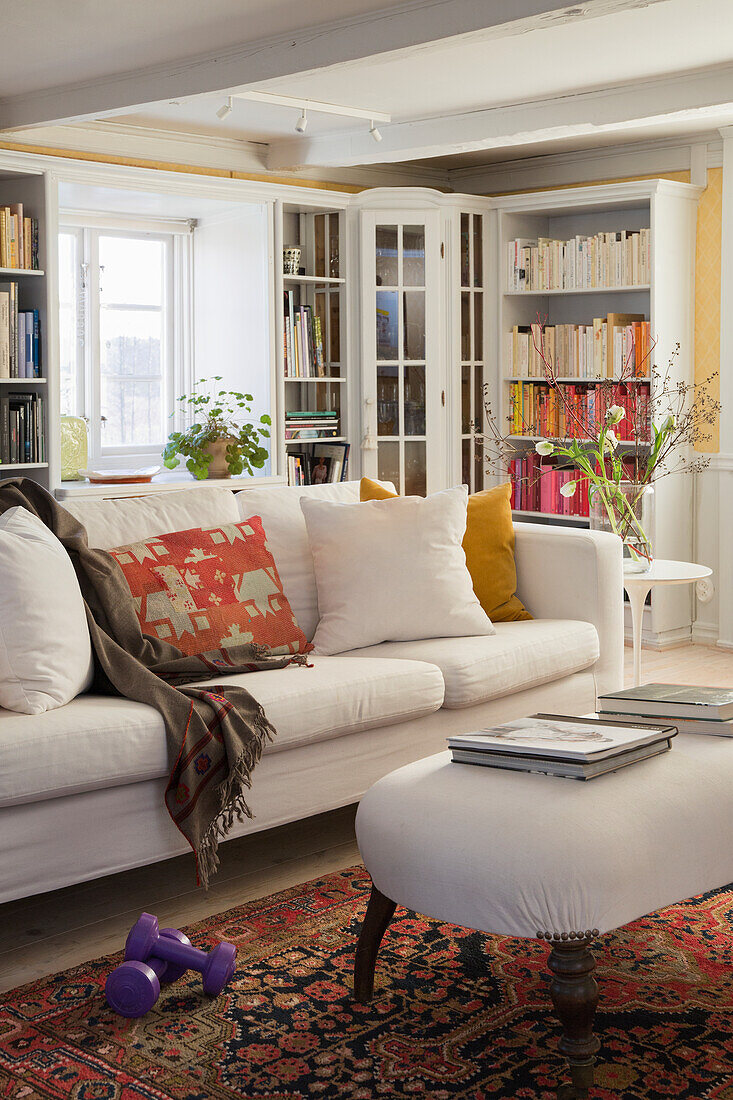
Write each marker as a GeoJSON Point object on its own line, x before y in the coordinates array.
{"type": "Point", "coordinates": [691, 709]}
{"type": "Point", "coordinates": [557, 744]}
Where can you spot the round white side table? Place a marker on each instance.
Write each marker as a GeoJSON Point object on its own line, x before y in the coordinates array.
{"type": "Point", "coordinates": [638, 586]}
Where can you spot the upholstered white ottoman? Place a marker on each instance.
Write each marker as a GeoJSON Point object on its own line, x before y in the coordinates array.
{"type": "Point", "coordinates": [525, 854]}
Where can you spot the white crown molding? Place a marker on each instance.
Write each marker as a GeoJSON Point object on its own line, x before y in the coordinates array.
{"type": "Point", "coordinates": [205, 151]}
{"type": "Point", "coordinates": [587, 165]}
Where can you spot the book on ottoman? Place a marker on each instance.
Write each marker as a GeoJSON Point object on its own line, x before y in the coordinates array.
{"type": "Point", "coordinates": [672, 702]}
{"type": "Point", "coordinates": [557, 744]}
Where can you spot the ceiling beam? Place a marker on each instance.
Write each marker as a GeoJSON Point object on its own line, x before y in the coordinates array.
{"type": "Point", "coordinates": [690, 94]}
{"type": "Point", "coordinates": [403, 27]}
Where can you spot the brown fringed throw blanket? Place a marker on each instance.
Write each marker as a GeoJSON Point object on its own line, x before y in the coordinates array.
{"type": "Point", "coordinates": [215, 734]}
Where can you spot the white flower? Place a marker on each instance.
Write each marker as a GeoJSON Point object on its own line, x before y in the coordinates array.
{"type": "Point", "coordinates": [544, 447]}
{"type": "Point", "coordinates": [611, 442]}
{"type": "Point", "coordinates": [615, 415]}
{"type": "Point", "coordinates": [568, 489]}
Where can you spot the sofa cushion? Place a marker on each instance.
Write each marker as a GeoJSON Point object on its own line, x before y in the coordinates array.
{"type": "Point", "coordinates": [116, 522]}
{"type": "Point", "coordinates": [287, 539]}
{"type": "Point", "coordinates": [107, 742]}
{"type": "Point", "coordinates": [520, 655]}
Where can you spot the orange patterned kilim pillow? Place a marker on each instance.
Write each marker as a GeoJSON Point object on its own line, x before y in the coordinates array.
{"type": "Point", "coordinates": [211, 588]}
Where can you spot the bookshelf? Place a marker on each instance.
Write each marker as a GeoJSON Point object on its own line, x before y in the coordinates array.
{"type": "Point", "coordinates": [667, 210]}
{"type": "Point", "coordinates": [312, 360]}
{"type": "Point", "coordinates": [35, 396]}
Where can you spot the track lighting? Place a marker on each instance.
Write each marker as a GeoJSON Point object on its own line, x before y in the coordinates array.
{"type": "Point", "coordinates": [374, 131]}
{"type": "Point", "coordinates": [225, 109]}
{"type": "Point", "coordinates": [302, 122]}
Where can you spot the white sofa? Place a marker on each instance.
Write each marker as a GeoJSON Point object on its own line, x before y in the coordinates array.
{"type": "Point", "coordinates": [81, 787]}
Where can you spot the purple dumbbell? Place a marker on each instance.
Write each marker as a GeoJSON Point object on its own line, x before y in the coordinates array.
{"type": "Point", "coordinates": [133, 987]}
{"type": "Point", "coordinates": [146, 942]}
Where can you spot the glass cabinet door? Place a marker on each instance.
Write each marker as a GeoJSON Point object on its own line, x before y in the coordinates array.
{"type": "Point", "coordinates": [402, 366]}
{"type": "Point", "coordinates": [472, 350]}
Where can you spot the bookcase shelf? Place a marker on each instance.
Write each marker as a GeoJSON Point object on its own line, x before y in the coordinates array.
{"type": "Point", "coordinates": [314, 280]}
{"type": "Point", "coordinates": [21, 271]}
{"type": "Point", "coordinates": [22, 381]}
{"type": "Point", "coordinates": [668, 210]}
{"type": "Point", "coordinates": [23, 466]}
{"type": "Point", "coordinates": [314, 306]}
{"type": "Point", "coordinates": [633, 287]}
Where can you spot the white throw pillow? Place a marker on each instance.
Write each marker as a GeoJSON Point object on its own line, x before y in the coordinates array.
{"type": "Point", "coordinates": [45, 649]}
{"type": "Point", "coordinates": [392, 570]}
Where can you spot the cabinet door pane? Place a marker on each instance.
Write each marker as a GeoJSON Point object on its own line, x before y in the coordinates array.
{"type": "Point", "coordinates": [413, 255]}
{"type": "Point", "coordinates": [387, 325]}
{"type": "Point", "coordinates": [333, 246]}
{"type": "Point", "coordinates": [389, 463]}
{"type": "Point", "coordinates": [415, 468]}
{"type": "Point", "coordinates": [388, 399]}
{"type": "Point", "coordinates": [334, 329]}
{"type": "Point", "coordinates": [414, 324]}
{"type": "Point", "coordinates": [414, 410]}
{"type": "Point", "coordinates": [386, 254]}
{"type": "Point", "coordinates": [465, 399]}
{"type": "Point", "coordinates": [478, 326]}
{"type": "Point", "coordinates": [465, 326]}
{"type": "Point", "coordinates": [477, 250]}
{"type": "Point", "coordinates": [465, 250]}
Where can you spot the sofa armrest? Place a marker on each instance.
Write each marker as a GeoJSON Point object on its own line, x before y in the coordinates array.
{"type": "Point", "coordinates": [570, 573]}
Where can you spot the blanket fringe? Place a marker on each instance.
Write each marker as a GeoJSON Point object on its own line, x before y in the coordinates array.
{"type": "Point", "coordinates": [232, 801]}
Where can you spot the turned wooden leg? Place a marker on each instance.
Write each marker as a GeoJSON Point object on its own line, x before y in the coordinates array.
{"type": "Point", "coordinates": [378, 915]}
{"type": "Point", "coordinates": [574, 993]}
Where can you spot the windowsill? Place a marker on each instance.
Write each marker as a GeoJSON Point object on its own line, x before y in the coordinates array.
{"type": "Point", "coordinates": [162, 483]}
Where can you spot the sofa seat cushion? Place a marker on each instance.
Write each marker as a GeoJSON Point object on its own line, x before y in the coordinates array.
{"type": "Point", "coordinates": [96, 741]}
{"type": "Point", "coordinates": [520, 655]}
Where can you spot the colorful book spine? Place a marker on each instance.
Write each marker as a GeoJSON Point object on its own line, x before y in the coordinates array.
{"type": "Point", "coordinates": [616, 259]}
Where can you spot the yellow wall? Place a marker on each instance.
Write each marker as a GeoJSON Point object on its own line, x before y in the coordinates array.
{"type": "Point", "coordinates": [707, 280]}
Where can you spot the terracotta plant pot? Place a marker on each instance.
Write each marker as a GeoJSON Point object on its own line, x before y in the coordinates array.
{"type": "Point", "coordinates": [218, 451]}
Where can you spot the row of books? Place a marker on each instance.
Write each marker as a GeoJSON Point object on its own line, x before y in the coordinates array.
{"type": "Point", "coordinates": [18, 238]}
{"type": "Point", "coordinates": [312, 425]}
{"type": "Point", "coordinates": [563, 745]}
{"type": "Point", "coordinates": [20, 336]}
{"type": "Point", "coordinates": [556, 412]}
{"type": "Point", "coordinates": [22, 428]}
{"type": "Point", "coordinates": [318, 464]}
{"type": "Point", "coordinates": [618, 344]}
{"type": "Point", "coordinates": [692, 709]}
{"type": "Point", "coordinates": [581, 263]}
{"type": "Point", "coordinates": [537, 487]}
{"type": "Point", "coordinates": [303, 340]}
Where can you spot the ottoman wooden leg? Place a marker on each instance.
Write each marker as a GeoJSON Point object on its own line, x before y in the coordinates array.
{"type": "Point", "coordinates": [378, 915]}
{"type": "Point", "coordinates": [574, 993]}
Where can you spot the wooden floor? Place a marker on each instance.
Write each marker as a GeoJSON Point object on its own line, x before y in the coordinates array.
{"type": "Point", "coordinates": [51, 932]}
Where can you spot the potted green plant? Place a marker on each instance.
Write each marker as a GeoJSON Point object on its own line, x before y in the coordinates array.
{"type": "Point", "coordinates": [223, 440]}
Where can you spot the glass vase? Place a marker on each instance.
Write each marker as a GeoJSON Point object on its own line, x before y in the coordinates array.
{"type": "Point", "coordinates": [626, 510]}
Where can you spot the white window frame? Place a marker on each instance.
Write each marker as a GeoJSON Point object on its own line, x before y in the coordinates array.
{"type": "Point", "coordinates": [177, 344]}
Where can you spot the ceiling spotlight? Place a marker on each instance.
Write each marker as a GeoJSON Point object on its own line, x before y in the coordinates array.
{"type": "Point", "coordinates": [225, 109]}
{"type": "Point", "coordinates": [302, 122]}
{"type": "Point", "coordinates": [374, 131]}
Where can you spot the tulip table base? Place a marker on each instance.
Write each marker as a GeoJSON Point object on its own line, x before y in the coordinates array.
{"type": "Point", "coordinates": [639, 585]}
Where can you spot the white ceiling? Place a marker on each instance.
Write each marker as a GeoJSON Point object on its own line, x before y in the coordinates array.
{"type": "Point", "coordinates": [556, 60]}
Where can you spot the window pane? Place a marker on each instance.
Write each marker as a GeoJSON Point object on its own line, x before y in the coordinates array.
{"type": "Point", "coordinates": [414, 321]}
{"type": "Point", "coordinates": [387, 324]}
{"type": "Point", "coordinates": [415, 399]}
{"type": "Point", "coordinates": [68, 321]}
{"type": "Point", "coordinates": [134, 412]}
{"type": "Point", "coordinates": [130, 342]}
{"type": "Point", "coordinates": [131, 384]}
{"type": "Point", "coordinates": [389, 463]}
{"type": "Point", "coordinates": [413, 255]}
{"type": "Point", "coordinates": [386, 251]}
{"type": "Point", "coordinates": [388, 399]}
{"type": "Point", "coordinates": [133, 271]}
{"type": "Point", "coordinates": [415, 469]}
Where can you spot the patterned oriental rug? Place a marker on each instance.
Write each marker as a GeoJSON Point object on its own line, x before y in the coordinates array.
{"type": "Point", "coordinates": [455, 1014]}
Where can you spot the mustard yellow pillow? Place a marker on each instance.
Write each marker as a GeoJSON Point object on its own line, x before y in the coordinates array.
{"type": "Point", "coordinates": [489, 548]}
